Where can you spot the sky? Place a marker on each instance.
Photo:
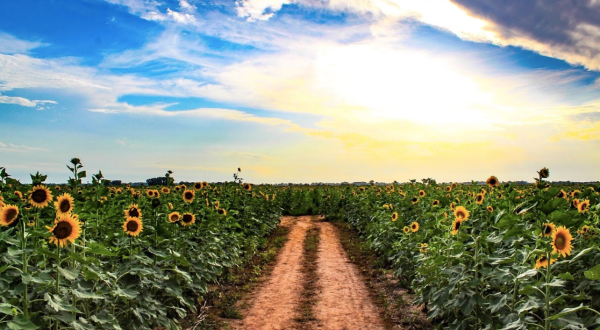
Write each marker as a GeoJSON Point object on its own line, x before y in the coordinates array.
{"type": "Point", "coordinates": [301, 90]}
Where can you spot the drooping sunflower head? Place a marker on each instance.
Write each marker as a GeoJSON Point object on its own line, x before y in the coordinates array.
{"type": "Point", "coordinates": [461, 213]}
{"type": "Point", "coordinates": [133, 211]}
{"type": "Point", "coordinates": [456, 226]}
{"type": "Point", "coordinates": [548, 229]}
{"type": "Point", "coordinates": [544, 173]}
{"type": "Point", "coordinates": [188, 219]}
{"type": "Point", "coordinates": [561, 241]}
{"type": "Point", "coordinates": [490, 208]}
{"type": "Point", "coordinates": [222, 211]}
{"type": "Point", "coordinates": [155, 203]}
{"type": "Point", "coordinates": [583, 206]}
{"type": "Point", "coordinates": [165, 190]}
{"type": "Point", "coordinates": [422, 193]}
{"type": "Point", "coordinates": [542, 262]}
{"type": "Point", "coordinates": [247, 187]}
{"type": "Point", "coordinates": [414, 227]}
{"type": "Point", "coordinates": [133, 226]}
{"type": "Point", "coordinates": [406, 229]}
{"type": "Point", "coordinates": [414, 200]}
{"type": "Point", "coordinates": [174, 217]}
{"type": "Point", "coordinates": [198, 185]}
{"type": "Point", "coordinates": [394, 216]}
{"type": "Point", "coordinates": [40, 196]}
{"type": "Point", "coordinates": [8, 214]}
{"type": "Point", "coordinates": [64, 204]}
{"type": "Point", "coordinates": [67, 228]}
{"type": "Point", "coordinates": [492, 181]}
{"type": "Point", "coordinates": [479, 198]}
{"type": "Point", "coordinates": [18, 194]}
{"type": "Point", "coordinates": [188, 196]}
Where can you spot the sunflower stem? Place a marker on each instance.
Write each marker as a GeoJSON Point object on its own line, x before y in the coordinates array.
{"type": "Point", "coordinates": [57, 288]}
{"type": "Point", "coordinates": [547, 296]}
{"type": "Point", "coordinates": [24, 249]}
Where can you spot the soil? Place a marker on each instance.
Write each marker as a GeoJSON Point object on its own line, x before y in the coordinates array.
{"type": "Point", "coordinates": [274, 304]}
{"type": "Point", "coordinates": [338, 300]}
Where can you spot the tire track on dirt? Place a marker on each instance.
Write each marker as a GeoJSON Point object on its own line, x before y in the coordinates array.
{"type": "Point", "coordinates": [343, 302]}
{"type": "Point", "coordinates": [274, 304]}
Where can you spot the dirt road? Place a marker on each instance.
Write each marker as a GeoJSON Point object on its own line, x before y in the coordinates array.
{"type": "Point", "coordinates": [343, 301]}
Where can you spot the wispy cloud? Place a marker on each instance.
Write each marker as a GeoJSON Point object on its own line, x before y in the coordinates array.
{"type": "Point", "coordinates": [18, 148]}
{"type": "Point", "coordinates": [11, 45]}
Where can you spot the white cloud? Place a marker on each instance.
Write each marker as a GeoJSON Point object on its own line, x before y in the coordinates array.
{"type": "Point", "coordinates": [16, 100]}
{"type": "Point", "coordinates": [11, 45]}
{"type": "Point", "coordinates": [16, 148]}
{"type": "Point", "coordinates": [182, 18]}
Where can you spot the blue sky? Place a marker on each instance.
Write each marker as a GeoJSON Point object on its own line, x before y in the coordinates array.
{"type": "Point", "coordinates": [300, 91]}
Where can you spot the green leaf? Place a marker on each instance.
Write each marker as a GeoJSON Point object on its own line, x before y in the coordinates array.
{"type": "Point", "coordinates": [86, 295]}
{"type": "Point", "coordinates": [6, 308]}
{"type": "Point", "coordinates": [568, 311]}
{"type": "Point", "coordinates": [69, 274]}
{"type": "Point", "coordinates": [56, 303]}
{"type": "Point", "coordinates": [593, 273]}
{"type": "Point", "coordinates": [528, 273]}
{"type": "Point", "coordinates": [97, 248]}
{"type": "Point", "coordinates": [566, 276]}
{"type": "Point", "coordinates": [22, 323]}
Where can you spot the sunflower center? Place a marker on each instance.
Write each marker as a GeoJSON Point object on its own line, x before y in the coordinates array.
{"type": "Point", "coordinates": [460, 214]}
{"type": "Point", "coordinates": [65, 206]}
{"type": "Point", "coordinates": [493, 182]}
{"type": "Point", "coordinates": [188, 195]}
{"type": "Point", "coordinates": [62, 230]}
{"type": "Point", "coordinates": [11, 214]}
{"type": "Point", "coordinates": [134, 213]}
{"type": "Point", "coordinates": [132, 226]}
{"type": "Point", "coordinates": [187, 218]}
{"type": "Point", "coordinates": [198, 186]}
{"type": "Point", "coordinates": [39, 196]}
{"type": "Point", "coordinates": [174, 218]}
{"type": "Point", "coordinates": [457, 225]}
{"type": "Point", "coordinates": [547, 230]}
{"type": "Point", "coordinates": [560, 242]}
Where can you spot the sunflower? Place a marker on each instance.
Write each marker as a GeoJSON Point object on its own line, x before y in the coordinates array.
{"type": "Point", "coordinates": [170, 206]}
{"type": "Point", "coordinates": [584, 230]}
{"type": "Point", "coordinates": [561, 241]}
{"type": "Point", "coordinates": [66, 228]}
{"type": "Point", "coordinates": [204, 184]}
{"type": "Point", "coordinates": [544, 173]}
{"type": "Point", "coordinates": [165, 190]}
{"type": "Point", "coordinates": [448, 189]}
{"type": "Point", "coordinates": [435, 203]}
{"type": "Point", "coordinates": [575, 193]}
{"type": "Point", "coordinates": [406, 230]}
{"type": "Point", "coordinates": [492, 181]}
{"type": "Point", "coordinates": [456, 226]}
{"type": "Point", "coordinates": [133, 226]}
{"type": "Point", "coordinates": [548, 229]}
{"type": "Point", "coordinates": [267, 197]}
{"type": "Point", "coordinates": [133, 211]}
{"type": "Point", "coordinates": [217, 204]}
{"type": "Point", "coordinates": [414, 227]}
{"type": "Point", "coordinates": [583, 206]}
{"type": "Point", "coordinates": [490, 208]}
{"type": "Point", "coordinates": [174, 217]}
{"type": "Point", "coordinates": [247, 187]}
{"type": "Point", "coordinates": [8, 214]}
{"type": "Point", "coordinates": [562, 194]}
{"type": "Point", "coordinates": [64, 204]}
{"type": "Point", "coordinates": [177, 188]}
{"type": "Point", "coordinates": [542, 262]}
{"type": "Point", "coordinates": [222, 212]}
{"type": "Point", "coordinates": [402, 194]}
{"type": "Point", "coordinates": [422, 193]}
{"type": "Point", "coordinates": [461, 213]}
{"type": "Point", "coordinates": [188, 196]}
{"type": "Point", "coordinates": [40, 196]}
{"type": "Point", "coordinates": [575, 203]}
{"type": "Point", "coordinates": [479, 198]}
{"type": "Point", "coordinates": [198, 185]}
{"type": "Point", "coordinates": [394, 216]}
{"type": "Point", "coordinates": [19, 194]}
{"type": "Point", "coordinates": [150, 193]}
{"type": "Point", "coordinates": [414, 200]}
{"type": "Point", "coordinates": [188, 219]}
{"type": "Point", "coordinates": [362, 189]}
{"type": "Point", "coordinates": [452, 206]}
{"type": "Point", "coordinates": [156, 194]}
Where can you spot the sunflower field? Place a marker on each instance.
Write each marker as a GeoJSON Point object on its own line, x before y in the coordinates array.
{"type": "Point", "coordinates": [494, 256]}
{"type": "Point", "coordinates": [79, 256]}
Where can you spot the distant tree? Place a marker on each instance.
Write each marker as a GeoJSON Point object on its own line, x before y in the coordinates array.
{"type": "Point", "coordinates": [158, 181]}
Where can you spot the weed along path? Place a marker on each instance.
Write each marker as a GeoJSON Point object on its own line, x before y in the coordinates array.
{"type": "Point", "coordinates": [305, 291]}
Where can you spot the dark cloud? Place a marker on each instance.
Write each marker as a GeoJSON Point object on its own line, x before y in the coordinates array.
{"type": "Point", "coordinates": [567, 26]}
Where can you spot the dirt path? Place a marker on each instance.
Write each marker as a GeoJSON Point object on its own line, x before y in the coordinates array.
{"type": "Point", "coordinates": [343, 302]}
{"type": "Point", "coordinates": [274, 305]}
